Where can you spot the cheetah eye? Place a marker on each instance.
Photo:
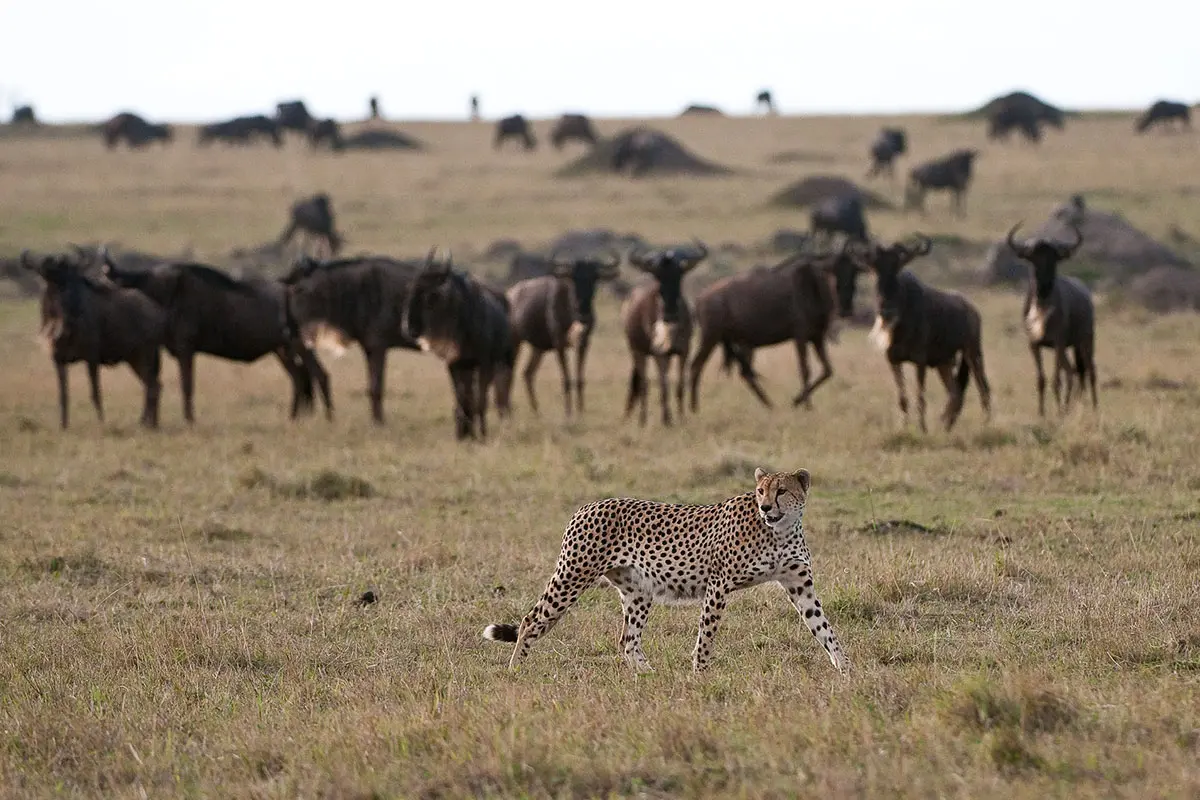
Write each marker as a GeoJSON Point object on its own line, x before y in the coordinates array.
{"type": "Point", "coordinates": [781, 492]}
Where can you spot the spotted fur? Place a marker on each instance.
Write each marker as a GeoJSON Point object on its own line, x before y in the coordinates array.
{"type": "Point", "coordinates": [679, 554]}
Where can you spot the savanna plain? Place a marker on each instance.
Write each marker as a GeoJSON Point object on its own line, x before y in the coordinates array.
{"type": "Point", "coordinates": [1019, 599]}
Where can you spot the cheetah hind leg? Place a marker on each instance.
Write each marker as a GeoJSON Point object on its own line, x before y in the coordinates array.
{"type": "Point", "coordinates": [542, 617]}
{"type": "Point", "coordinates": [635, 609]}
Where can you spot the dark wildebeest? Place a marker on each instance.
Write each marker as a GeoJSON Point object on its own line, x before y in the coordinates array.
{"type": "Point", "coordinates": [1163, 112]}
{"type": "Point", "coordinates": [373, 107]}
{"type": "Point", "coordinates": [791, 301]}
{"type": "Point", "coordinates": [24, 115]}
{"type": "Point", "coordinates": [241, 130]}
{"type": "Point", "coordinates": [209, 312]}
{"type": "Point", "coordinates": [326, 130]}
{"type": "Point", "coordinates": [465, 324]}
{"type": "Point", "coordinates": [840, 214]}
{"type": "Point", "coordinates": [890, 143]}
{"type": "Point", "coordinates": [926, 327]}
{"type": "Point", "coordinates": [87, 318]}
{"type": "Point", "coordinates": [554, 312]}
{"type": "Point", "coordinates": [293, 116]}
{"type": "Point", "coordinates": [1059, 314]}
{"type": "Point", "coordinates": [951, 173]}
{"type": "Point", "coordinates": [573, 127]}
{"type": "Point", "coordinates": [474, 108]}
{"type": "Point", "coordinates": [658, 323]}
{"type": "Point", "coordinates": [134, 130]}
{"type": "Point", "coordinates": [1022, 112]}
{"type": "Point", "coordinates": [313, 217]}
{"type": "Point", "coordinates": [358, 300]}
{"type": "Point", "coordinates": [516, 127]}
{"type": "Point", "coordinates": [765, 101]}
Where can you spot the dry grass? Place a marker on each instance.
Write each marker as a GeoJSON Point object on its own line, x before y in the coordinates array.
{"type": "Point", "coordinates": [179, 615]}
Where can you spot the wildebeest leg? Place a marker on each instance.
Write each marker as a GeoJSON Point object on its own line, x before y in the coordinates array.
{"type": "Point", "coordinates": [187, 374]}
{"type": "Point", "coordinates": [1086, 364]}
{"type": "Point", "coordinates": [974, 358]}
{"type": "Point", "coordinates": [921, 397]}
{"type": "Point", "coordinates": [376, 366]}
{"type": "Point", "coordinates": [94, 382]}
{"type": "Point", "coordinates": [663, 363]}
{"type": "Point", "coordinates": [637, 386]}
{"type": "Point", "coordinates": [826, 373]}
{"type": "Point", "coordinates": [299, 377]}
{"type": "Point", "coordinates": [802, 359]}
{"type": "Point", "coordinates": [147, 370]}
{"type": "Point", "coordinates": [530, 372]}
{"type": "Point", "coordinates": [313, 366]}
{"type": "Point", "coordinates": [1060, 367]}
{"type": "Point", "coordinates": [898, 377]}
{"type": "Point", "coordinates": [581, 351]}
{"type": "Point", "coordinates": [1041, 378]}
{"type": "Point", "coordinates": [60, 370]}
{"type": "Point", "coordinates": [565, 369]}
{"type": "Point", "coordinates": [680, 385]}
{"type": "Point", "coordinates": [702, 353]}
{"type": "Point", "coordinates": [481, 382]}
{"type": "Point", "coordinates": [953, 401]}
{"type": "Point", "coordinates": [461, 378]}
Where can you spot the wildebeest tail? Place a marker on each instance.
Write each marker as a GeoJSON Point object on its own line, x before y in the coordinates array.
{"type": "Point", "coordinates": [964, 374]}
{"type": "Point", "coordinates": [728, 359]}
{"type": "Point", "coordinates": [501, 632]}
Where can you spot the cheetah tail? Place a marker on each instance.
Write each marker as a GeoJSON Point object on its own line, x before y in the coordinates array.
{"type": "Point", "coordinates": [500, 633]}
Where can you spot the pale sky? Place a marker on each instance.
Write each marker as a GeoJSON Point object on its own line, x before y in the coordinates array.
{"type": "Point", "coordinates": [181, 60]}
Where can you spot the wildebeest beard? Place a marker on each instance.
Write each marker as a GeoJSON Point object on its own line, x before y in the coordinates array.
{"type": "Point", "coordinates": [436, 315]}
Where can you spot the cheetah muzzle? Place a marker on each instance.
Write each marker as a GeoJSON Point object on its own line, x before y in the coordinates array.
{"type": "Point", "coordinates": [680, 554]}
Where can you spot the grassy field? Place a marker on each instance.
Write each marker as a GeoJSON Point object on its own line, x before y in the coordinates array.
{"type": "Point", "coordinates": [179, 615]}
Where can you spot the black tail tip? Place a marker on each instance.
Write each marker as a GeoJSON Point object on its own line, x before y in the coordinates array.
{"type": "Point", "coordinates": [500, 633]}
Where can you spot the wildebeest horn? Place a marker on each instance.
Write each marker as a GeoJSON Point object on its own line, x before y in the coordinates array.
{"type": "Point", "coordinates": [1020, 249]}
{"type": "Point", "coordinates": [642, 258]}
{"type": "Point", "coordinates": [1068, 250]}
{"type": "Point", "coordinates": [924, 245]}
{"type": "Point", "coordinates": [26, 262]}
{"type": "Point", "coordinates": [699, 253]}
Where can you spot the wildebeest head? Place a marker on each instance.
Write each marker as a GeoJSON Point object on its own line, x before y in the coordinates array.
{"type": "Point", "coordinates": [843, 269]}
{"type": "Point", "coordinates": [63, 296]}
{"type": "Point", "coordinates": [584, 274]}
{"type": "Point", "coordinates": [310, 303]}
{"type": "Point", "coordinates": [668, 267]}
{"type": "Point", "coordinates": [887, 264]}
{"type": "Point", "coordinates": [436, 307]}
{"type": "Point", "coordinates": [1045, 257]}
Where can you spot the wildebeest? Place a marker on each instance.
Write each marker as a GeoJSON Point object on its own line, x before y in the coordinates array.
{"type": "Point", "coordinates": [208, 312]}
{"type": "Point", "coordinates": [358, 300]}
{"type": "Point", "coordinates": [293, 116]}
{"type": "Point", "coordinates": [575, 127]}
{"type": "Point", "coordinates": [1022, 112]}
{"type": "Point", "coordinates": [765, 101]}
{"type": "Point", "coordinates": [554, 312]}
{"type": "Point", "coordinates": [951, 173]}
{"type": "Point", "coordinates": [890, 143]}
{"type": "Point", "coordinates": [326, 130]}
{"type": "Point", "coordinates": [313, 217]}
{"type": "Point", "coordinates": [87, 318]}
{"type": "Point", "coordinates": [516, 127]}
{"type": "Point", "coordinates": [840, 214]}
{"type": "Point", "coordinates": [373, 107]}
{"type": "Point", "coordinates": [134, 130]}
{"type": "Point", "coordinates": [241, 130]}
{"type": "Point", "coordinates": [24, 115]}
{"type": "Point", "coordinates": [465, 324]}
{"type": "Point", "coordinates": [1164, 112]}
{"type": "Point", "coordinates": [474, 108]}
{"type": "Point", "coordinates": [1058, 314]}
{"type": "Point", "coordinates": [791, 301]}
{"type": "Point", "coordinates": [926, 327]}
{"type": "Point", "coordinates": [658, 323]}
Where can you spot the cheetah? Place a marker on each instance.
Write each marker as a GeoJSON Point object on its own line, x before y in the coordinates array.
{"type": "Point", "coordinates": [679, 554]}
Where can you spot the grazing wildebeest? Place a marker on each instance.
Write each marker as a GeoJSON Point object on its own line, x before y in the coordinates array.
{"type": "Point", "coordinates": [840, 214]}
{"type": "Point", "coordinates": [573, 127]}
{"type": "Point", "coordinates": [326, 130]}
{"type": "Point", "coordinates": [554, 312]}
{"type": "Point", "coordinates": [517, 127]}
{"type": "Point", "coordinates": [1022, 112]}
{"type": "Point", "coordinates": [951, 173]}
{"type": "Point", "coordinates": [134, 130]}
{"type": "Point", "coordinates": [87, 318]}
{"type": "Point", "coordinates": [358, 300]}
{"type": "Point", "coordinates": [1163, 112]}
{"type": "Point", "coordinates": [293, 116]}
{"type": "Point", "coordinates": [890, 143]}
{"type": "Point", "coordinates": [24, 115]}
{"type": "Point", "coordinates": [209, 312]}
{"type": "Point", "coordinates": [765, 101]}
{"type": "Point", "coordinates": [465, 324]}
{"type": "Point", "coordinates": [313, 217]}
{"type": "Point", "coordinates": [658, 323]}
{"type": "Point", "coordinates": [241, 130]}
{"type": "Point", "coordinates": [1059, 314]}
{"type": "Point", "coordinates": [926, 327]}
{"type": "Point", "coordinates": [791, 301]}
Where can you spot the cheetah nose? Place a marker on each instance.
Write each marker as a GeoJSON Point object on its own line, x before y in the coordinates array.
{"type": "Point", "coordinates": [765, 507]}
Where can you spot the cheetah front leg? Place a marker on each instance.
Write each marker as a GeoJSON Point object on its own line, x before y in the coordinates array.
{"type": "Point", "coordinates": [710, 620]}
{"type": "Point", "coordinates": [800, 591]}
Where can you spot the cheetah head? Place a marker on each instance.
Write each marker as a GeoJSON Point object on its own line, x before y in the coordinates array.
{"type": "Point", "coordinates": [780, 496]}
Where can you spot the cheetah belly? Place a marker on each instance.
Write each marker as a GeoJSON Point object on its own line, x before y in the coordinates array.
{"type": "Point", "coordinates": [667, 585]}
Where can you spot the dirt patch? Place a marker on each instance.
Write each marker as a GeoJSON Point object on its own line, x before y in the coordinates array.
{"type": "Point", "coordinates": [815, 188]}
{"type": "Point", "coordinates": [641, 152]}
{"type": "Point", "coordinates": [800, 157]}
{"type": "Point", "coordinates": [380, 139]}
{"type": "Point", "coordinates": [896, 526]}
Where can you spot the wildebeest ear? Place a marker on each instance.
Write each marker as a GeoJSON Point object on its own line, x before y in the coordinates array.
{"type": "Point", "coordinates": [759, 474]}
{"type": "Point", "coordinates": [805, 480]}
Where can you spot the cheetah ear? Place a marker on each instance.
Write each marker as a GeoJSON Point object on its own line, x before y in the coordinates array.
{"type": "Point", "coordinates": [759, 474]}
{"type": "Point", "coordinates": [804, 478]}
